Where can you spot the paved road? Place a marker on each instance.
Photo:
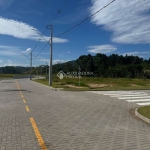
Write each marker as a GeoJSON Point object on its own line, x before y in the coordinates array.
{"type": "Point", "coordinates": [34, 117]}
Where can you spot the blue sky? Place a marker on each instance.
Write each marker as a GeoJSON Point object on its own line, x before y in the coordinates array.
{"type": "Point", "coordinates": [121, 28]}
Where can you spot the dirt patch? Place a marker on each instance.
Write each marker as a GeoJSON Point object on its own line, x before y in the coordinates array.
{"type": "Point", "coordinates": [73, 86]}
{"type": "Point", "coordinates": [134, 85]}
{"type": "Point", "coordinates": [101, 85]}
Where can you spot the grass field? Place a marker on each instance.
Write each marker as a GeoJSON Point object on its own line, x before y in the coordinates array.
{"type": "Point", "coordinates": [145, 111]}
{"type": "Point", "coordinates": [9, 76]}
{"type": "Point", "coordinates": [6, 76]}
{"type": "Point", "coordinates": [90, 83]}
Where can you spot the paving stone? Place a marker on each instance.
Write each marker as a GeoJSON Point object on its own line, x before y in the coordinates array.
{"type": "Point", "coordinates": [68, 120]}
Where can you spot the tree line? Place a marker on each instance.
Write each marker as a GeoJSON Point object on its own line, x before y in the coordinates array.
{"type": "Point", "coordinates": [14, 70]}
{"type": "Point", "coordinates": [113, 66]}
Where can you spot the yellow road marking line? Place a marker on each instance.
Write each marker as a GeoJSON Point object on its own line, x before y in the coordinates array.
{"type": "Point", "coordinates": [24, 101]}
{"type": "Point", "coordinates": [38, 135]}
{"type": "Point", "coordinates": [19, 89]}
{"type": "Point", "coordinates": [27, 109]}
{"type": "Point", "coordinates": [36, 130]}
{"type": "Point", "coordinates": [18, 86]}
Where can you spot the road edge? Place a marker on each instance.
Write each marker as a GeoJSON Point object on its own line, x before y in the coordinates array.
{"type": "Point", "coordinates": [55, 89]}
{"type": "Point", "coordinates": [141, 117]}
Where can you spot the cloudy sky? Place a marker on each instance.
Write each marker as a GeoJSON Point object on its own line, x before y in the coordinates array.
{"type": "Point", "coordinates": [121, 28]}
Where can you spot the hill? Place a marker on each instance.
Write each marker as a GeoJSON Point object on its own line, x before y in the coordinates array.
{"type": "Point", "coordinates": [112, 66]}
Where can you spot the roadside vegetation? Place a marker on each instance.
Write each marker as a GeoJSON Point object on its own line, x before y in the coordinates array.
{"type": "Point", "coordinates": [145, 111]}
{"type": "Point", "coordinates": [93, 83]}
{"type": "Point", "coordinates": [10, 76]}
{"type": "Point", "coordinates": [2, 76]}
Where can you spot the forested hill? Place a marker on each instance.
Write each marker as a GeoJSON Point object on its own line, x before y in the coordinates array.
{"type": "Point", "coordinates": [14, 70]}
{"type": "Point", "coordinates": [108, 66]}
{"type": "Point", "coordinates": [113, 66]}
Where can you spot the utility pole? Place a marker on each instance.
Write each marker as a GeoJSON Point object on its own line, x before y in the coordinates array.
{"type": "Point", "coordinates": [51, 47]}
{"type": "Point", "coordinates": [79, 75]}
{"type": "Point", "coordinates": [31, 65]}
{"type": "Point", "coordinates": [46, 68]}
{"type": "Point", "coordinates": [41, 70]}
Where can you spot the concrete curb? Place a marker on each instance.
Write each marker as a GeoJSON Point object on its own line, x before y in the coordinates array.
{"type": "Point", "coordinates": [141, 117]}
{"type": "Point", "coordinates": [55, 89]}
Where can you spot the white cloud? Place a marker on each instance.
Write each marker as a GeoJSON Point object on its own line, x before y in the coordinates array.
{"type": "Point", "coordinates": [68, 52]}
{"type": "Point", "coordinates": [15, 64]}
{"type": "Point", "coordinates": [57, 61]}
{"type": "Point", "coordinates": [22, 30]}
{"type": "Point", "coordinates": [28, 50]}
{"type": "Point", "coordinates": [9, 50]}
{"type": "Point", "coordinates": [127, 19]}
{"type": "Point", "coordinates": [9, 63]}
{"type": "Point", "coordinates": [59, 40]}
{"type": "Point", "coordinates": [102, 49]}
{"type": "Point", "coordinates": [13, 52]}
{"type": "Point", "coordinates": [45, 60]}
{"type": "Point", "coordinates": [1, 61]}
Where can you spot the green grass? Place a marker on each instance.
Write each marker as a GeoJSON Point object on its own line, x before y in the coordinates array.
{"type": "Point", "coordinates": [107, 83]}
{"type": "Point", "coordinates": [42, 81]}
{"type": "Point", "coordinates": [9, 76]}
{"type": "Point", "coordinates": [145, 111]}
{"type": "Point", "coordinates": [6, 76]}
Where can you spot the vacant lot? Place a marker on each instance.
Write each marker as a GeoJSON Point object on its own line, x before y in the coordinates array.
{"type": "Point", "coordinates": [89, 83]}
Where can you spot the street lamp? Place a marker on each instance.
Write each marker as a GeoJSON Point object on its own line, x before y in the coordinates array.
{"type": "Point", "coordinates": [46, 68]}
{"type": "Point", "coordinates": [51, 52]}
{"type": "Point", "coordinates": [79, 75]}
{"type": "Point", "coordinates": [40, 35]}
{"type": "Point", "coordinates": [50, 42]}
{"type": "Point", "coordinates": [31, 65]}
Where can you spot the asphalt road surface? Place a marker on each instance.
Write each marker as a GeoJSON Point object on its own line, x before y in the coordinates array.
{"type": "Point", "coordinates": [35, 117]}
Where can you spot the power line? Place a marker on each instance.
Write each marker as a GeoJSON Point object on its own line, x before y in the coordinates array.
{"type": "Point", "coordinates": [25, 56]}
{"type": "Point", "coordinates": [40, 35]}
{"type": "Point", "coordinates": [85, 19]}
{"type": "Point", "coordinates": [41, 50]}
{"type": "Point", "coordinates": [47, 42]}
{"type": "Point", "coordinates": [37, 43]}
{"type": "Point", "coordinates": [38, 40]}
{"type": "Point", "coordinates": [55, 16]}
{"type": "Point", "coordinates": [40, 59]}
{"type": "Point", "coordinates": [59, 11]}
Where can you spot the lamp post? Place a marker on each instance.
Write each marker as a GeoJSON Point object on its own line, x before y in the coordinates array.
{"type": "Point", "coordinates": [50, 42]}
{"type": "Point", "coordinates": [46, 68]}
{"type": "Point", "coordinates": [79, 74]}
{"type": "Point", "coordinates": [51, 53]}
{"type": "Point", "coordinates": [31, 65]}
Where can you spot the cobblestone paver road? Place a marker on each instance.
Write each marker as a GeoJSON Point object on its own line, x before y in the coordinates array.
{"type": "Point", "coordinates": [67, 120]}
